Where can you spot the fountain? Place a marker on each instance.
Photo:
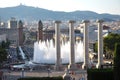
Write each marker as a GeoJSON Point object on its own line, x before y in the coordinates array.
{"type": "Point", "coordinates": [45, 52]}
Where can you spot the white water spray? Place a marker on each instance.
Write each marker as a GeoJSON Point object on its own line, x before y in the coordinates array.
{"type": "Point", "coordinates": [45, 52]}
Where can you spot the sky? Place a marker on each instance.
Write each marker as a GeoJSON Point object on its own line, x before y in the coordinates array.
{"type": "Point", "coordinates": [99, 6]}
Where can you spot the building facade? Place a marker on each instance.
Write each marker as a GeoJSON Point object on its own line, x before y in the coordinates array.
{"type": "Point", "coordinates": [13, 32]}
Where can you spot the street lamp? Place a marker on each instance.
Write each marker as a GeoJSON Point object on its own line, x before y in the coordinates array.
{"type": "Point", "coordinates": [22, 75]}
{"type": "Point", "coordinates": [49, 72]}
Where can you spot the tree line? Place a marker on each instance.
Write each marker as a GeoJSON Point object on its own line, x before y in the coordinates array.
{"type": "Point", "coordinates": [109, 44]}
{"type": "Point", "coordinates": [3, 50]}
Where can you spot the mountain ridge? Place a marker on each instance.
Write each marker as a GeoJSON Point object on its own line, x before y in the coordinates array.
{"type": "Point", "coordinates": [34, 13]}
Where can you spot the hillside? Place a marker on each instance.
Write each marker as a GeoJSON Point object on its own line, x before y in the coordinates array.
{"type": "Point", "coordinates": [32, 13]}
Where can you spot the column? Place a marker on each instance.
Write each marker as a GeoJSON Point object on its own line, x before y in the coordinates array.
{"type": "Point", "coordinates": [72, 42]}
{"type": "Point", "coordinates": [57, 43]}
{"type": "Point", "coordinates": [100, 43]}
{"type": "Point", "coordinates": [40, 31]}
{"type": "Point", "coordinates": [86, 44]}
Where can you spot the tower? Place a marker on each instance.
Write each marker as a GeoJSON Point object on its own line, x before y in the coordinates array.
{"type": "Point", "coordinates": [12, 23]}
{"type": "Point", "coordinates": [20, 33]}
{"type": "Point", "coordinates": [40, 31]}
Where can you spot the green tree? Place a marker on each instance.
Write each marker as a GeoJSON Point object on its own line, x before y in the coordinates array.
{"type": "Point", "coordinates": [109, 44]}
{"type": "Point", "coordinates": [5, 44]}
{"type": "Point", "coordinates": [110, 41]}
{"type": "Point", "coordinates": [95, 47]}
{"type": "Point", "coordinates": [117, 62]}
{"type": "Point", "coordinates": [3, 55]}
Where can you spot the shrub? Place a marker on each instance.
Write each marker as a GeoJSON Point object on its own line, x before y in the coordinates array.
{"type": "Point", "coordinates": [100, 74]}
{"type": "Point", "coordinates": [41, 78]}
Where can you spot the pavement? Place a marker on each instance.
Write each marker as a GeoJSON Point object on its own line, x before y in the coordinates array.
{"type": "Point", "coordinates": [14, 75]}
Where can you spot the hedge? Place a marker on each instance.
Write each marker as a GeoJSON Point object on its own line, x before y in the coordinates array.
{"type": "Point", "coordinates": [41, 78]}
{"type": "Point", "coordinates": [117, 62]}
{"type": "Point", "coordinates": [100, 74]}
